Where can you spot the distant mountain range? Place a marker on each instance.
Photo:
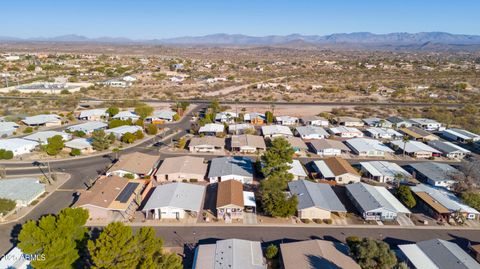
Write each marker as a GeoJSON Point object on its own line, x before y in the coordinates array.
{"type": "Point", "coordinates": [360, 39]}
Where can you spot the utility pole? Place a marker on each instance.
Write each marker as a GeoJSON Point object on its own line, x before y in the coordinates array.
{"type": "Point", "coordinates": [3, 172]}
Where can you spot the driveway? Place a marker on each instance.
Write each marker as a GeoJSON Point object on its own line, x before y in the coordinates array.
{"type": "Point", "coordinates": [249, 218]}
{"type": "Point", "coordinates": [404, 220]}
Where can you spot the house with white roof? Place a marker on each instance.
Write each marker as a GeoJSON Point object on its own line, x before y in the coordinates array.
{"type": "Point", "coordinates": [434, 173]}
{"type": "Point", "coordinates": [254, 118]}
{"type": "Point", "coordinates": [375, 202]}
{"type": "Point", "coordinates": [460, 135]}
{"type": "Point", "coordinates": [311, 132]}
{"type": "Point", "coordinates": [8, 128]}
{"type": "Point", "coordinates": [399, 122]}
{"type": "Point", "coordinates": [42, 137]}
{"type": "Point", "coordinates": [161, 116]}
{"type": "Point", "coordinates": [449, 149]}
{"type": "Point", "coordinates": [337, 169]}
{"type": "Point", "coordinates": [231, 254]}
{"type": "Point", "coordinates": [442, 204]}
{"type": "Point", "coordinates": [240, 128]}
{"type": "Point", "coordinates": [21, 190]}
{"type": "Point", "coordinates": [226, 117]}
{"type": "Point", "coordinates": [314, 121]}
{"type": "Point", "coordinates": [231, 168]}
{"type": "Point", "coordinates": [427, 124]}
{"type": "Point", "coordinates": [384, 172]}
{"type": "Point", "coordinates": [368, 147]}
{"type": "Point", "coordinates": [119, 131]}
{"type": "Point", "coordinates": [174, 201]}
{"type": "Point", "coordinates": [273, 131]}
{"type": "Point", "coordinates": [297, 170]}
{"type": "Point", "coordinates": [315, 200]}
{"type": "Point", "coordinates": [15, 259]}
{"type": "Point", "coordinates": [18, 146]}
{"type": "Point", "coordinates": [377, 122]}
{"type": "Point", "coordinates": [88, 127]}
{"type": "Point", "coordinates": [350, 122]}
{"type": "Point", "coordinates": [286, 120]}
{"type": "Point", "coordinates": [212, 129]}
{"type": "Point", "coordinates": [415, 149]}
{"type": "Point", "coordinates": [47, 120]}
{"type": "Point", "coordinates": [82, 144]}
{"type": "Point", "coordinates": [346, 132]}
{"type": "Point", "coordinates": [383, 133]}
{"type": "Point", "coordinates": [436, 254]}
{"type": "Point", "coordinates": [93, 114]}
{"type": "Point", "coordinates": [126, 115]}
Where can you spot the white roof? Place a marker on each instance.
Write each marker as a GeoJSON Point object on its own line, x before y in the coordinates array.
{"type": "Point", "coordinates": [323, 168]}
{"type": "Point", "coordinates": [297, 169]}
{"type": "Point", "coordinates": [93, 112]}
{"type": "Point", "coordinates": [185, 196]}
{"type": "Point", "coordinates": [424, 121]}
{"type": "Point", "coordinates": [249, 199]}
{"type": "Point", "coordinates": [8, 125]}
{"type": "Point", "coordinates": [239, 126]}
{"type": "Point", "coordinates": [364, 144]}
{"type": "Point", "coordinates": [126, 114]}
{"type": "Point", "coordinates": [414, 146]}
{"type": "Point", "coordinates": [14, 259]}
{"type": "Point", "coordinates": [343, 129]}
{"type": "Point", "coordinates": [124, 129]}
{"type": "Point", "coordinates": [286, 118]}
{"type": "Point", "coordinates": [164, 114]}
{"type": "Point", "coordinates": [41, 119]}
{"type": "Point", "coordinates": [383, 168]}
{"type": "Point", "coordinates": [78, 143]}
{"type": "Point", "coordinates": [464, 134]}
{"type": "Point", "coordinates": [310, 129]}
{"type": "Point", "coordinates": [276, 129]}
{"type": "Point", "coordinates": [417, 257]}
{"type": "Point", "coordinates": [384, 132]}
{"type": "Point", "coordinates": [88, 126]}
{"type": "Point", "coordinates": [375, 197]}
{"type": "Point", "coordinates": [13, 144]}
{"type": "Point", "coordinates": [45, 135]}
{"type": "Point", "coordinates": [212, 128]}
{"type": "Point", "coordinates": [225, 115]}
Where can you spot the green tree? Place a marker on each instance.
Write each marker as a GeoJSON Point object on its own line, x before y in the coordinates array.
{"type": "Point", "coordinates": [57, 238]}
{"type": "Point", "coordinates": [6, 154]}
{"type": "Point", "coordinates": [269, 117]}
{"type": "Point", "coordinates": [55, 145]}
{"type": "Point", "coordinates": [31, 67]}
{"type": "Point", "coordinates": [139, 122]}
{"type": "Point", "coordinates": [100, 141]}
{"type": "Point", "coordinates": [405, 196]}
{"type": "Point", "coordinates": [139, 134]}
{"type": "Point", "coordinates": [472, 199]}
{"type": "Point", "coordinates": [182, 142]}
{"type": "Point", "coordinates": [118, 123]}
{"type": "Point", "coordinates": [28, 130]}
{"type": "Point", "coordinates": [75, 152]}
{"type": "Point", "coordinates": [118, 247]}
{"type": "Point", "coordinates": [6, 205]}
{"type": "Point", "coordinates": [152, 129]}
{"type": "Point", "coordinates": [271, 251]}
{"type": "Point", "coordinates": [144, 110]}
{"type": "Point", "coordinates": [372, 254]}
{"type": "Point", "coordinates": [112, 111]}
{"type": "Point", "coordinates": [276, 203]}
{"type": "Point", "coordinates": [128, 138]}
{"type": "Point", "coordinates": [176, 117]}
{"type": "Point", "coordinates": [215, 106]}
{"type": "Point", "coordinates": [278, 157]}
{"type": "Point", "coordinates": [79, 133]}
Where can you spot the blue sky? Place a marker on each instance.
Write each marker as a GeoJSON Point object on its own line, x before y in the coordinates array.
{"type": "Point", "coordinates": [162, 19]}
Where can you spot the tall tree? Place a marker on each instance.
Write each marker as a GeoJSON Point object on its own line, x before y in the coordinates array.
{"type": "Point", "coordinates": [276, 203]}
{"type": "Point", "coordinates": [55, 145]}
{"type": "Point", "coordinates": [372, 254]}
{"type": "Point", "coordinates": [112, 111]}
{"type": "Point", "coordinates": [278, 157]}
{"type": "Point", "coordinates": [405, 196]}
{"type": "Point", "coordinates": [144, 111]}
{"type": "Point", "coordinates": [55, 240]}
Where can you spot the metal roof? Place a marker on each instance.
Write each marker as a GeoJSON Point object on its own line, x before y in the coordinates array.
{"type": "Point", "coordinates": [446, 147]}
{"type": "Point", "coordinates": [212, 128]}
{"type": "Point", "coordinates": [8, 125]}
{"type": "Point", "coordinates": [124, 129]}
{"type": "Point", "coordinates": [445, 198]}
{"type": "Point", "coordinates": [435, 171]}
{"type": "Point", "coordinates": [276, 129]}
{"type": "Point", "coordinates": [41, 119]}
{"type": "Point", "coordinates": [374, 197]}
{"type": "Point", "coordinates": [311, 130]}
{"type": "Point", "coordinates": [343, 129]}
{"type": "Point", "coordinates": [423, 121]}
{"type": "Point", "coordinates": [88, 126]}
{"type": "Point", "coordinates": [93, 112]}
{"type": "Point", "coordinates": [322, 167]}
{"type": "Point", "coordinates": [240, 126]}
{"type": "Point", "coordinates": [225, 115]}
{"type": "Point", "coordinates": [13, 144]}
{"type": "Point", "coordinates": [464, 134]}
{"type": "Point", "coordinates": [79, 143]}
{"type": "Point", "coordinates": [225, 166]}
{"type": "Point", "coordinates": [441, 253]}
{"type": "Point", "coordinates": [297, 169]}
{"type": "Point", "coordinates": [382, 132]}
{"type": "Point", "coordinates": [414, 146]}
{"type": "Point", "coordinates": [43, 137]}
{"type": "Point", "coordinates": [322, 144]}
{"type": "Point", "coordinates": [164, 114]}
{"type": "Point", "coordinates": [178, 195]}
{"type": "Point", "coordinates": [383, 168]}
{"type": "Point", "coordinates": [126, 114]}
{"type": "Point", "coordinates": [21, 189]}
{"type": "Point", "coordinates": [365, 144]}
{"type": "Point", "coordinates": [311, 194]}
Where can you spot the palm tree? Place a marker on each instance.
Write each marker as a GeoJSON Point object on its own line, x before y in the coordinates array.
{"type": "Point", "coordinates": [405, 140]}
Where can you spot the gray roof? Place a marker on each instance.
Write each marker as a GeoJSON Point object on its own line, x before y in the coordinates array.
{"type": "Point", "coordinates": [178, 195]}
{"type": "Point", "coordinates": [435, 171]}
{"type": "Point", "coordinates": [224, 166]}
{"type": "Point", "coordinates": [371, 197]}
{"type": "Point", "coordinates": [248, 140]}
{"type": "Point", "coordinates": [446, 147]}
{"type": "Point", "coordinates": [365, 144]}
{"type": "Point", "coordinates": [41, 119]}
{"type": "Point", "coordinates": [464, 134]}
{"type": "Point", "coordinates": [230, 254]}
{"type": "Point", "coordinates": [79, 143]}
{"type": "Point", "coordinates": [45, 135]}
{"type": "Point", "coordinates": [93, 112]}
{"type": "Point", "coordinates": [311, 194]}
{"type": "Point", "coordinates": [164, 114]}
{"type": "Point", "coordinates": [440, 253]}
{"type": "Point", "coordinates": [23, 189]}
{"type": "Point", "coordinates": [321, 144]}
{"type": "Point", "coordinates": [413, 146]}
{"type": "Point", "coordinates": [311, 130]}
{"type": "Point", "coordinates": [396, 120]}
